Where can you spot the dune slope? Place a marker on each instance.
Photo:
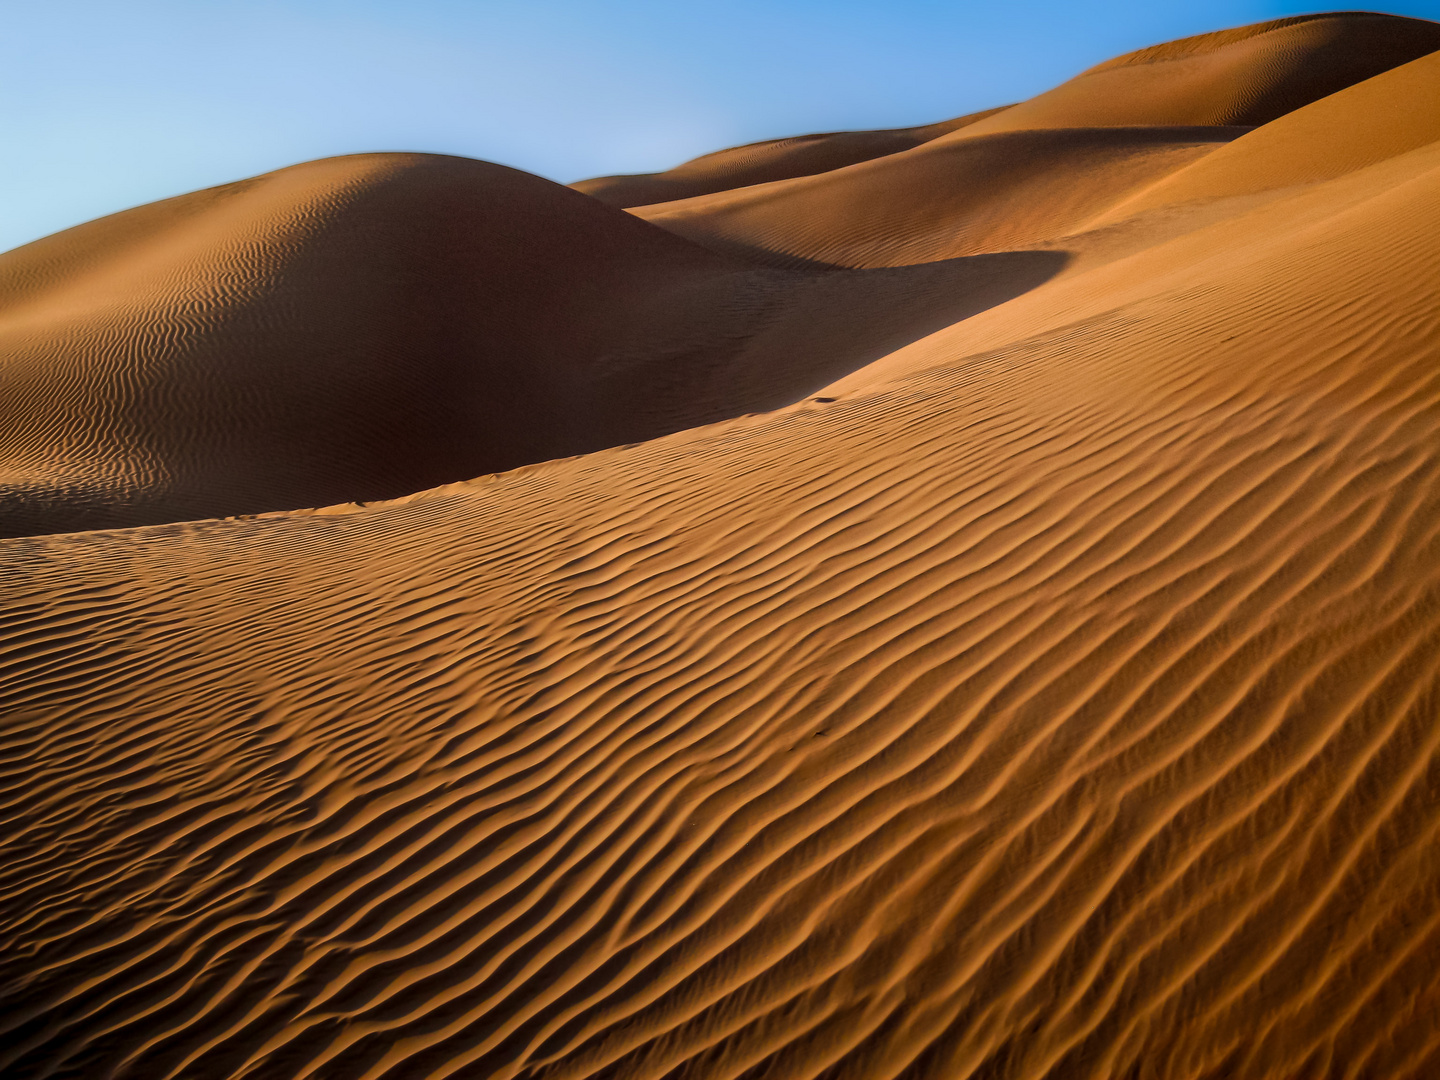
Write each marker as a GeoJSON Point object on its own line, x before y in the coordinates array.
{"type": "Point", "coordinates": [1040, 171]}
{"type": "Point", "coordinates": [1374, 120]}
{"type": "Point", "coordinates": [1052, 697]}
{"type": "Point", "coordinates": [364, 327]}
{"type": "Point", "coordinates": [395, 320]}
{"type": "Point", "coordinates": [1009, 191]}
{"type": "Point", "coordinates": [758, 163]}
{"type": "Point", "coordinates": [1246, 76]}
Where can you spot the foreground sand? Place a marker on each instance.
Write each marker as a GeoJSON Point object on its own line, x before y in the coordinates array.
{"type": "Point", "coordinates": [1046, 685]}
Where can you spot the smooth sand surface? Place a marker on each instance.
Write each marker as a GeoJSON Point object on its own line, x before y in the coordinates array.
{"type": "Point", "coordinates": [1012, 191]}
{"type": "Point", "coordinates": [773, 159]}
{"type": "Point", "coordinates": [1012, 653]}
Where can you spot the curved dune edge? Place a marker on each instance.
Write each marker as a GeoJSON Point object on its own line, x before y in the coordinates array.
{"type": "Point", "coordinates": [762, 162]}
{"type": "Point", "coordinates": [1350, 130]}
{"type": "Point", "coordinates": [1017, 190]}
{"type": "Point", "coordinates": [1248, 76]}
{"type": "Point", "coordinates": [1052, 697]}
{"type": "Point", "coordinates": [1243, 77]}
{"type": "Point", "coordinates": [361, 328]}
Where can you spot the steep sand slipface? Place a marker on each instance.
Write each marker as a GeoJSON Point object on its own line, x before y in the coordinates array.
{"type": "Point", "coordinates": [1055, 697]}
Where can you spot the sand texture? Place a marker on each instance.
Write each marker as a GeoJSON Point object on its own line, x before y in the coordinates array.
{"type": "Point", "coordinates": [968, 610]}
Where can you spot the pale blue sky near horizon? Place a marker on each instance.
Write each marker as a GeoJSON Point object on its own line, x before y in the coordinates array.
{"type": "Point", "coordinates": [108, 106]}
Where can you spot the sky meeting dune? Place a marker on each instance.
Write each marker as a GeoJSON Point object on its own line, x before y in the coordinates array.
{"type": "Point", "coordinates": [954, 601]}
{"type": "Point", "coordinates": [115, 105]}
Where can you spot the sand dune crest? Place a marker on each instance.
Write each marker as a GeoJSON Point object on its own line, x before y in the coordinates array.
{"type": "Point", "coordinates": [1244, 77]}
{"type": "Point", "coordinates": [1013, 190]}
{"type": "Point", "coordinates": [1362, 125]}
{"type": "Point", "coordinates": [361, 328]}
{"type": "Point", "coordinates": [759, 163]}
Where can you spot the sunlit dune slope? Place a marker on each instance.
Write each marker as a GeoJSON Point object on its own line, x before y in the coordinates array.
{"type": "Point", "coordinates": [1251, 75]}
{"type": "Point", "coordinates": [1363, 125]}
{"type": "Point", "coordinates": [1045, 169]}
{"type": "Point", "coordinates": [1053, 696]}
{"type": "Point", "coordinates": [1243, 77]}
{"type": "Point", "coordinates": [1013, 190]}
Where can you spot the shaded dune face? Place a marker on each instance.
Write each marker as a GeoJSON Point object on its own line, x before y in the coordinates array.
{"type": "Point", "coordinates": [361, 328]}
{"type": "Point", "coordinates": [354, 328]}
{"type": "Point", "coordinates": [1044, 688]}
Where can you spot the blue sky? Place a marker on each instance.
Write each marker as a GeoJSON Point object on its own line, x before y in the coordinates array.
{"type": "Point", "coordinates": [108, 105]}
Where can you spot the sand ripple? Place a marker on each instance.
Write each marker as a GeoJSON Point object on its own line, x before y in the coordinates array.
{"type": "Point", "coordinates": [1053, 697]}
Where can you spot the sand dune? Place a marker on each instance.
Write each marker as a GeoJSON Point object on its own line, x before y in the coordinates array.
{"type": "Point", "coordinates": [1359, 126]}
{"type": "Point", "coordinates": [364, 327]}
{"type": "Point", "coordinates": [1250, 75]}
{"type": "Point", "coordinates": [1010, 191]}
{"type": "Point", "coordinates": [1053, 694]}
{"type": "Point", "coordinates": [758, 163]}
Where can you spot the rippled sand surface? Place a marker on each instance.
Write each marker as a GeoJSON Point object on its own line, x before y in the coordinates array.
{"type": "Point", "coordinates": [960, 602]}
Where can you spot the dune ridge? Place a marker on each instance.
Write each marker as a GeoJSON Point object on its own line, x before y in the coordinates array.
{"type": "Point", "coordinates": [1017, 190]}
{"type": "Point", "coordinates": [1242, 77]}
{"type": "Point", "coordinates": [1350, 130]}
{"type": "Point", "coordinates": [364, 327]}
{"type": "Point", "coordinates": [762, 162]}
{"type": "Point", "coordinates": [1042, 687]}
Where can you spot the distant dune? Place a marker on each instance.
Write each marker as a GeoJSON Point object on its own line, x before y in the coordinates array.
{"type": "Point", "coordinates": [954, 602]}
{"type": "Point", "coordinates": [365, 327]}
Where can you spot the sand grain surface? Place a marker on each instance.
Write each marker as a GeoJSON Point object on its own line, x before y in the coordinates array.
{"type": "Point", "coordinates": [811, 645]}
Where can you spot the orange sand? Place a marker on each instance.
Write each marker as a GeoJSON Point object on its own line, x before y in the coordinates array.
{"type": "Point", "coordinates": [1009, 647]}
